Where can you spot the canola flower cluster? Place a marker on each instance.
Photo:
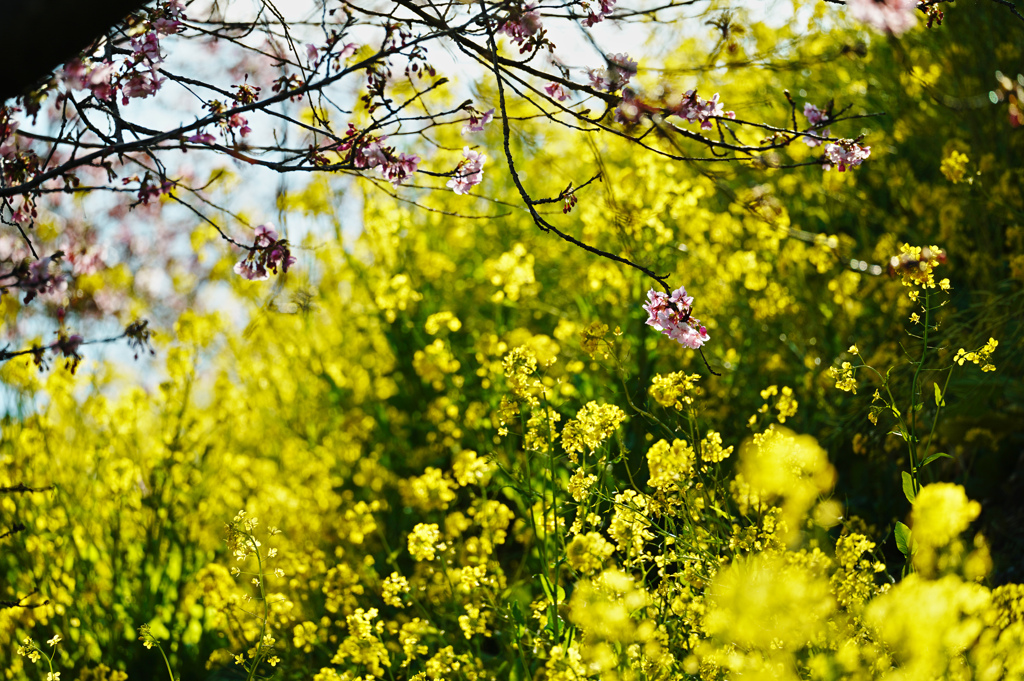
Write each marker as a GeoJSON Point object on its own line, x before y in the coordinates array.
{"type": "Point", "coordinates": [981, 356]}
{"type": "Point", "coordinates": [466, 496]}
{"type": "Point", "coordinates": [694, 571]}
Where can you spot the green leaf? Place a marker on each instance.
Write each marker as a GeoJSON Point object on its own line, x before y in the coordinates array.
{"type": "Point", "coordinates": [902, 538]}
{"type": "Point", "coordinates": [517, 613]}
{"type": "Point", "coordinates": [908, 487]}
{"type": "Point", "coordinates": [939, 400]}
{"type": "Point", "coordinates": [937, 455]}
{"type": "Point", "coordinates": [555, 595]}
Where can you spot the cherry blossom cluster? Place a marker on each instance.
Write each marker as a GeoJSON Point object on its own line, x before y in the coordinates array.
{"type": "Point", "coordinates": [66, 346]}
{"type": "Point", "coordinates": [845, 154]}
{"type": "Point", "coordinates": [228, 123]}
{"type": "Point", "coordinates": [670, 314]}
{"type": "Point", "coordinates": [367, 151]}
{"type": "Point", "coordinates": [136, 77]}
{"type": "Point", "coordinates": [814, 115]}
{"type": "Point", "coordinates": [148, 190]}
{"type": "Point", "coordinates": [692, 108]}
{"type": "Point", "coordinates": [23, 210]}
{"type": "Point", "coordinates": [8, 126]}
{"type": "Point", "coordinates": [817, 118]}
{"type": "Point", "coordinates": [17, 164]}
{"type": "Point", "coordinates": [41, 277]}
{"type": "Point", "coordinates": [313, 53]}
{"type": "Point", "coordinates": [83, 254]}
{"type": "Point", "coordinates": [525, 28]}
{"type": "Point", "coordinates": [887, 16]}
{"type": "Point", "coordinates": [268, 253]}
{"type": "Point", "coordinates": [556, 91]}
{"type": "Point", "coordinates": [606, 7]}
{"type": "Point", "coordinates": [631, 109]}
{"type": "Point", "coordinates": [697, 110]}
{"type": "Point", "coordinates": [616, 76]}
{"type": "Point", "coordinates": [469, 173]}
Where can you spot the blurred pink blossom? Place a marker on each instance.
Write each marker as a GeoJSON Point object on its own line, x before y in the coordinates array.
{"type": "Point", "coordinates": [556, 91]}
{"type": "Point", "coordinates": [520, 29]}
{"type": "Point", "coordinates": [888, 16]}
{"type": "Point", "coordinates": [597, 17]}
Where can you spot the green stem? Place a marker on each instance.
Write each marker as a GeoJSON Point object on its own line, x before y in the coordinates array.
{"type": "Point", "coordinates": [554, 516]}
{"type": "Point", "coordinates": [266, 612]}
{"type": "Point", "coordinates": [166, 661]}
{"type": "Point", "coordinates": [938, 409]}
{"type": "Point", "coordinates": [914, 472]}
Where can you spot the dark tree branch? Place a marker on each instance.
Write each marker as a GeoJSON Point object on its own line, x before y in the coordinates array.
{"type": "Point", "coordinates": [37, 36]}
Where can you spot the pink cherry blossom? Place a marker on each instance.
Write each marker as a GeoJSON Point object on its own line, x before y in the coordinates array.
{"type": "Point", "coordinates": [556, 91]}
{"type": "Point", "coordinates": [469, 173]}
{"type": "Point", "coordinates": [202, 138]}
{"type": "Point", "coordinates": [42, 282]}
{"type": "Point", "coordinates": [887, 16]}
{"type": "Point", "coordinates": [240, 122]}
{"type": "Point", "coordinates": [622, 69]}
{"type": "Point", "coordinates": [147, 49]}
{"type": "Point", "coordinates": [477, 121]}
{"type": "Point", "coordinates": [8, 126]}
{"type": "Point", "coordinates": [265, 235]}
{"type": "Point", "coordinates": [599, 79]}
{"type": "Point", "coordinates": [371, 154]}
{"type": "Point", "coordinates": [670, 314]}
{"type": "Point", "coordinates": [713, 109]}
{"type": "Point", "coordinates": [23, 215]}
{"type": "Point", "coordinates": [85, 259]}
{"type": "Point", "coordinates": [141, 85]}
{"type": "Point", "coordinates": [312, 52]}
{"type": "Point", "coordinates": [176, 8]}
{"type": "Point", "coordinates": [813, 114]}
{"type": "Point", "coordinates": [165, 26]}
{"type": "Point", "coordinates": [75, 74]}
{"type": "Point", "coordinates": [99, 81]}
{"type": "Point", "coordinates": [268, 254]}
{"type": "Point", "coordinates": [631, 109]}
{"type": "Point", "coordinates": [23, 210]}
{"type": "Point", "coordinates": [279, 254]}
{"type": "Point", "coordinates": [697, 110]}
{"type": "Point", "coordinates": [817, 138]}
{"type": "Point", "coordinates": [597, 17]}
{"type": "Point", "coordinates": [845, 153]}
{"type": "Point", "coordinates": [816, 117]}
{"type": "Point", "coordinates": [399, 170]}
{"type": "Point", "coordinates": [68, 345]}
{"type": "Point", "coordinates": [251, 270]}
{"type": "Point", "coordinates": [522, 28]}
